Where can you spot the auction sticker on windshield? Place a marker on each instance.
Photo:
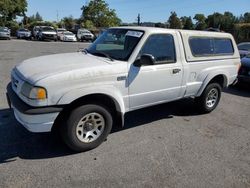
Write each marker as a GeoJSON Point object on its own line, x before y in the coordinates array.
{"type": "Point", "coordinates": [137, 34]}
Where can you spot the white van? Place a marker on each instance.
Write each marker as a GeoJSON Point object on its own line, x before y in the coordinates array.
{"type": "Point", "coordinates": [84, 94]}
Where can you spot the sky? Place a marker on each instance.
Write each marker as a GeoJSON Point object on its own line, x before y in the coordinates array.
{"type": "Point", "coordinates": [150, 10]}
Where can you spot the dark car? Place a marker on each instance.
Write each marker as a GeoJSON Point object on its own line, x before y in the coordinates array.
{"type": "Point", "coordinates": [244, 49]}
{"type": "Point", "coordinates": [244, 72]}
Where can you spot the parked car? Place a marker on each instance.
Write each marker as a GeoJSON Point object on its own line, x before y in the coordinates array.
{"type": "Point", "coordinates": [244, 72]}
{"type": "Point", "coordinates": [85, 35]}
{"type": "Point", "coordinates": [244, 49]}
{"type": "Point", "coordinates": [84, 94]}
{"type": "Point", "coordinates": [59, 32]}
{"type": "Point", "coordinates": [68, 37]}
{"type": "Point", "coordinates": [47, 33]}
{"type": "Point", "coordinates": [4, 33]}
{"type": "Point", "coordinates": [23, 33]}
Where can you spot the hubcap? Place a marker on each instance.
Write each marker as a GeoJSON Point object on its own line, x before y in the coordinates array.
{"type": "Point", "coordinates": [90, 127]}
{"type": "Point", "coordinates": [212, 97]}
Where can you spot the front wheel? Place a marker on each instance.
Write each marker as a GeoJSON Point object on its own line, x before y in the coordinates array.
{"type": "Point", "coordinates": [87, 127]}
{"type": "Point", "coordinates": [210, 98]}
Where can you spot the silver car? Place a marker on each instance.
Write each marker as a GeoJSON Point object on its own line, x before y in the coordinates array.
{"type": "Point", "coordinates": [4, 33]}
{"type": "Point", "coordinates": [23, 33]}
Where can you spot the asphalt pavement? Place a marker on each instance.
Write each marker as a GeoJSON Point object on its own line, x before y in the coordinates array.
{"type": "Point", "coordinates": [169, 145]}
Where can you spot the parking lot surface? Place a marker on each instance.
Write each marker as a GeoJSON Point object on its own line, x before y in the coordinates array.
{"type": "Point", "coordinates": [169, 145]}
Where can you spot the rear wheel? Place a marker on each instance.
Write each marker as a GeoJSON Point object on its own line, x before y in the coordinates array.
{"type": "Point", "coordinates": [210, 98]}
{"type": "Point", "coordinates": [87, 127]}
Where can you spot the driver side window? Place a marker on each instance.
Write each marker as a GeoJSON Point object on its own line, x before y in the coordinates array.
{"type": "Point", "coordinates": [162, 47]}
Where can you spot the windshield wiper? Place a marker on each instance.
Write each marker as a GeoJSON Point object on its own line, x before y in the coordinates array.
{"type": "Point", "coordinates": [103, 54]}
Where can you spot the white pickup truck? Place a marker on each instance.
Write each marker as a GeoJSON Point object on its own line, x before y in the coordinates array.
{"type": "Point", "coordinates": [84, 94]}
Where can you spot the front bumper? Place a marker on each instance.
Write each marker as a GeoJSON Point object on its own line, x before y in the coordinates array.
{"type": "Point", "coordinates": [34, 119]}
{"type": "Point", "coordinates": [4, 36]}
{"type": "Point", "coordinates": [69, 40]}
{"type": "Point", "coordinates": [49, 37]}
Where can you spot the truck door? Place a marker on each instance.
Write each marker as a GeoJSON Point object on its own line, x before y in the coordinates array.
{"type": "Point", "coordinates": [160, 82]}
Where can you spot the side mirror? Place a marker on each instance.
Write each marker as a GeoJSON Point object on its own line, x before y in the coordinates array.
{"type": "Point", "coordinates": [144, 60]}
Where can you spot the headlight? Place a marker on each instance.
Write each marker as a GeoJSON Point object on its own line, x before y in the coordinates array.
{"type": "Point", "coordinates": [33, 92]}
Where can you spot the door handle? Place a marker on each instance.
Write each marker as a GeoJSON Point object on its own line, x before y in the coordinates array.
{"type": "Point", "coordinates": [175, 71]}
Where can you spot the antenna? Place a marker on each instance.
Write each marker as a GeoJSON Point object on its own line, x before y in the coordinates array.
{"type": "Point", "coordinates": [57, 16]}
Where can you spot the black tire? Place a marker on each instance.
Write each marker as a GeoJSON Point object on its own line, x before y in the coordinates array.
{"type": "Point", "coordinates": [68, 129]}
{"type": "Point", "coordinates": [202, 101]}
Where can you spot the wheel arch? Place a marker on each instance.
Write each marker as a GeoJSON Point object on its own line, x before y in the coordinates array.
{"type": "Point", "coordinates": [220, 78]}
{"type": "Point", "coordinates": [116, 107]}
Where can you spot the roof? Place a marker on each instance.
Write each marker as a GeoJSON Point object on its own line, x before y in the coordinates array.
{"type": "Point", "coordinates": [156, 29]}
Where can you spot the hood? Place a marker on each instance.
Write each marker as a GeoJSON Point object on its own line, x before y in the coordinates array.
{"type": "Point", "coordinates": [42, 67]}
{"type": "Point", "coordinates": [49, 32]}
{"type": "Point", "coordinates": [245, 62]}
{"type": "Point", "coordinates": [69, 36]}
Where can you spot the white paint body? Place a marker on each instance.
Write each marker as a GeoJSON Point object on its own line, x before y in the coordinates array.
{"type": "Point", "coordinates": [70, 76]}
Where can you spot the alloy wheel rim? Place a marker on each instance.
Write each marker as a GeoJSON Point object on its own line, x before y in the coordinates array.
{"type": "Point", "coordinates": [212, 97]}
{"type": "Point", "coordinates": [90, 127]}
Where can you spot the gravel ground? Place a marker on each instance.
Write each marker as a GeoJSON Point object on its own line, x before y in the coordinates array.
{"type": "Point", "coordinates": [169, 145]}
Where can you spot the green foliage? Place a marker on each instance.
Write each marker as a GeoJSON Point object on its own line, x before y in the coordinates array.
{"type": "Point", "coordinates": [98, 14]}
{"type": "Point", "coordinates": [68, 22]}
{"type": "Point", "coordinates": [13, 25]}
{"type": "Point", "coordinates": [200, 22]}
{"type": "Point", "coordinates": [88, 24]}
{"type": "Point", "coordinates": [31, 25]}
{"type": "Point", "coordinates": [241, 32]}
{"type": "Point", "coordinates": [38, 17]}
{"type": "Point", "coordinates": [9, 9]}
{"type": "Point", "coordinates": [174, 21]}
{"type": "Point", "coordinates": [223, 22]}
{"type": "Point", "coordinates": [246, 17]}
{"type": "Point", "coordinates": [187, 23]}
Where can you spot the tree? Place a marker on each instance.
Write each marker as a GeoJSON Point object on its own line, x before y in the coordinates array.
{"type": "Point", "coordinates": [9, 9]}
{"type": "Point", "coordinates": [200, 22]}
{"type": "Point", "coordinates": [224, 21]}
{"type": "Point", "coordinates": [68, 22]}
{"type": "Point", "coordinates": [38, 17]}
{"type": "Point", "coordinates": [246, 17]}
{"type": "Point", "coordinates": [187, 22]}
{"type": "Point", "coordinates": [99, 13]}
{"type": "Point", "coordinates": [174, 21]}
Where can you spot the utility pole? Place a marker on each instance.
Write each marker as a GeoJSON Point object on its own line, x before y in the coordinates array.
{"type": "Point", "coordinates": [57, 16]}
{"type": "Point", "coordinates": [139, 19]}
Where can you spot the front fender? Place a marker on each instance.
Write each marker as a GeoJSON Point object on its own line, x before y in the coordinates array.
{"type": "Point", "coordinates": [110, 91]}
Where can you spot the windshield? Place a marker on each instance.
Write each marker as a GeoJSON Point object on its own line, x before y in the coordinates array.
{"type": "Point", "coordinates": [24, 30]}
{"type": "Point", "coordinates": [244, 47]}
{"type": "Point", "coordinates": [61, 30]}
{"type": "Point", "coordinates": [68, 33]}
{"type": "Point", "coordinates": [4, 30]}
{"type": "Point", "coordinates": [116, 43]}
{"type": "Point", "coordinates": [47, 29]}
